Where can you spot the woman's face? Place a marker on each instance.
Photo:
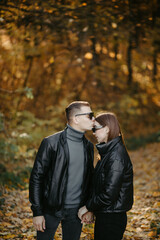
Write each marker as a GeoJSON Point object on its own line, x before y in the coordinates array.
{"type": "Point", "coordinates": [101, 133]}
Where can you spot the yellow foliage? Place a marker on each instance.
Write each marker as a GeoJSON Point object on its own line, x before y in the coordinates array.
{"type": "Point", "coordinates": [156, 194]}
{"type": "Point", "coordinates": [88, 230]}
{"type": "Point", "coordinates": [27, 220]}
{"type": "Point", "coordinates": [88, 56]}
{"type": "Point", "coordinates": [9, 236]}
{"type": "Point", "coordinates": [6, 224]}
{"type": "Point", "coordinates": [83, 235]}
{"type": "Point", "coordinates": [156, 205]}
{"type": "Point", "coordinates": [152, 234]}
{"type": "Point", "coordinates": [8, 214]}
{"type": "Point", "coordinates": [51, 60]}
{"type": "Point", "coordinates": [84, 4]}
{"type": "Point", "coordinates": [1, 214]}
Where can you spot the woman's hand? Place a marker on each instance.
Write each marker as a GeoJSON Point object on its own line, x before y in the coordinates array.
{"type": "Point", "coordinates": [87, 218]}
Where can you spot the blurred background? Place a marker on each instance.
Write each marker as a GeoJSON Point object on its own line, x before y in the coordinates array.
{"type": "Point", "coordinates": [56, 52]}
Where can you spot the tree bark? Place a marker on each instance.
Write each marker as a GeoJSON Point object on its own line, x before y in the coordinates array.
{"type": "Point", "coordinates": [129, 60]}
{"type": "Point", "coordinates": [25, 81]}
{"type": "Point", "coordinates": [154, 66]}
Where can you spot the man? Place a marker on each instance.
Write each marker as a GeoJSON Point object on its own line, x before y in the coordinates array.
{"type": "Point", "coordinates": [61, 176]}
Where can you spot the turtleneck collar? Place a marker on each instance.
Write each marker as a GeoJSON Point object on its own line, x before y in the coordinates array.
{"type": "Point", "coordinates": [103, 148]}
{"type": "Point", "coordinates": [73, 134]}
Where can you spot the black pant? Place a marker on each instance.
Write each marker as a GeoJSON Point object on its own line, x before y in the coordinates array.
{"type": "Point", "coordinates": [71, 226]}
{"type": "Point", "coordinates": [110, 226]}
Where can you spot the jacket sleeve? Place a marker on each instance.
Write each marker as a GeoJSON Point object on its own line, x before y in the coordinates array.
{"type": "Point", "coordinates": [36, 183]}
{"type": "Point", "coordinates": [112, 184]}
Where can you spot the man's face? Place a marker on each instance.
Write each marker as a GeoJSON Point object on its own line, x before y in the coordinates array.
{"type": "Point", "coordinates": [84, 122]}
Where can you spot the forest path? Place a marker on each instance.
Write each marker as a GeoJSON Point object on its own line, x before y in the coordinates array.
{"type": "Point", "coordinates": [143, 219]}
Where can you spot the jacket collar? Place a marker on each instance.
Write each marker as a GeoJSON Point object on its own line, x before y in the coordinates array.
{"type": "Point", "coordinates": [74, 135]}
{"type": "Point", "coordinates": [103, 148]}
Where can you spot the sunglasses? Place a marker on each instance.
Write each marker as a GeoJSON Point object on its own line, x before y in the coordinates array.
{"type": "Point", "coordinates": [90, 115]}
{"type": "Point", "coordinates": [95, 128]}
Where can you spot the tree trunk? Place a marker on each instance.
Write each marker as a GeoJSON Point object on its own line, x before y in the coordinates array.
{"type": "Point", "coordinates": [129, 60]}
{"type": "Point", "coordinates": [115, 57]}
{"type": "Point", "coordinates": [25, 81]}
{"type": "Point", "coordinates": [154, 66]}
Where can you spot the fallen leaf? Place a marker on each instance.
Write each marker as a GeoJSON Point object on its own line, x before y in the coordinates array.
{"type": "Point", "coordinates": [152, 234]}
{"type": "Point", "coordinates": [10, 236]}
{"type": "Point", "coordinates": [83, 235]}
{"type": "Point", "coordinates": [1, 214]}
{"type": "Point", "coordinates": [156, 194]}
{"type": "Point", "coordinates": [156, 205]}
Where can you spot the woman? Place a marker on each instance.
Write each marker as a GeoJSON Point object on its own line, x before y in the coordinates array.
{"type": "Point", "coordinates": [112, 193]}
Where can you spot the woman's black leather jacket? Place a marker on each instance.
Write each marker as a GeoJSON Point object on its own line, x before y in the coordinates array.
{"type": "Point", "coordinates": [48, 178]}
{"type": "Point", "coordinates": [112, 180]}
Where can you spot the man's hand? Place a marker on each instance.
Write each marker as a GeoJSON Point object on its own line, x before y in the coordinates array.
{"type": "Point", "coordinates": [87, 218]}
{"type": "Point", "coordinates": [39, 223]}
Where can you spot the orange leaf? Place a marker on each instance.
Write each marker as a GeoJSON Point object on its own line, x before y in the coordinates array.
{"type": "Point", "coordinates": [156, 205]}
{"type": "Point", "coordinates": [83, 235]}
{"type": "Point", "coordinates": [156, 194]}
{"type": "Point", "coordinates": [1, 214]}
{"type": "Point", "coordinates": [152, 234]}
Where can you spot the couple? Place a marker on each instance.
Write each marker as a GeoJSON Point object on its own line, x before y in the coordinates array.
{"type": "Point", "coordinates": [65, 187]}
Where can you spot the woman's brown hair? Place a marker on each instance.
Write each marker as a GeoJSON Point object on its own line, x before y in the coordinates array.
{"type": "Point", "coordinates": [110, 120]}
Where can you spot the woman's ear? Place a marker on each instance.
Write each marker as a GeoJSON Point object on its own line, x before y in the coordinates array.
{"type": "Point", "coordinates": [107, 129]}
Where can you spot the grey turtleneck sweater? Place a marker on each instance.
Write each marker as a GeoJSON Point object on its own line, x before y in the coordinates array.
{"type": "Point", "coordinates": [76, 167]}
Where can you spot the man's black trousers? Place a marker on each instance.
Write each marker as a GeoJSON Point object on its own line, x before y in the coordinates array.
{"type": "Point", "coordinates": [71, 226]}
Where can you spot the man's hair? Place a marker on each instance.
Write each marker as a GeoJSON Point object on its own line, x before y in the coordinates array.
{"type": "Point", "coordinates": [74, 107]}
{"type": "Point", "coordinates": [110, 120]}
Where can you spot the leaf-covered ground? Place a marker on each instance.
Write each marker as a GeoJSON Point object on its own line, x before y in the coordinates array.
{"type": "Point", "coordinates": [143, 219]}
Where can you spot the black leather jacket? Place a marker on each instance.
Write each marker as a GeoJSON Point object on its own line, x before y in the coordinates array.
{"type": "Point", "coordinates": [113, 179]}
{"type": "Point", "coordinates": [48, 178]}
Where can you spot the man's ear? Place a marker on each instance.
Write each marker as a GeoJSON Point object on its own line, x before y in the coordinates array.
{"type": "Point", "coordinates": [75, 120]}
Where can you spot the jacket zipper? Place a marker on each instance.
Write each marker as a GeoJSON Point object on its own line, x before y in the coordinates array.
{"type": "Point", "coordinates": [66, 150]}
